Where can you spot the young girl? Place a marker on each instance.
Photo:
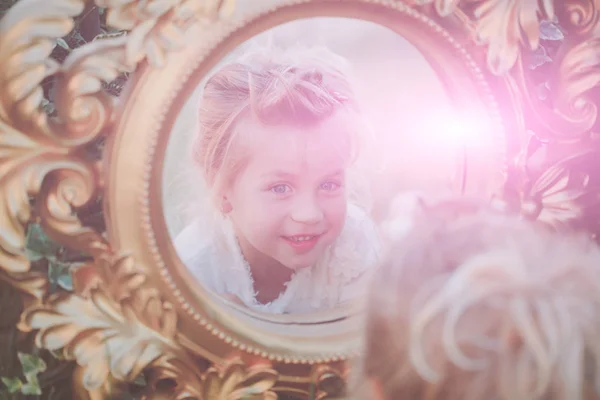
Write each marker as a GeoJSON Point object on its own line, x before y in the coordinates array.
{"type": "Point", "coordinates": [278, 133]}
{"type": "Point", "coordinates": [476, 305]}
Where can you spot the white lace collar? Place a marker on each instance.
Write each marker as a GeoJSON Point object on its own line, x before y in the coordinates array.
{"type": "Point", "coordinates": [340, 275]}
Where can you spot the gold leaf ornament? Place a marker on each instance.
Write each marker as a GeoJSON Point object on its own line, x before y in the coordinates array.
{"type": "Point", "coordinates": [576, 88]}
{"type": "Point", "coordinates": [231, 380]}
{"type": "Point", "coordinates": [83, 107]}
{"type": "Point", "coordinates": [34, 148]}
{"type": "Point", "coordinates": [182, 378]}
{"type": "Point", "coordinates": [330, 383]}
{"type": "Point", "coordinates": [26, 161]}
{"type": "Point", "coordinates": [18, 179]}
{"type": "Point", "coordinates": [157, 26]}
{"type": "Point", "coordinates": [236, 381]}
{"type": "Point", "coordinates": [578, 17]}
{"type": "Point", "coordinates": [504, 25]}
{"type": "Point", "coordinates": [507, 24]}
{"type": "Point", "coordinates": [28, 34]}
{"type": "Point", "coordinates": [25, 164]}
{"type": "Point", "coordinates": [32, 283]}
{"type": "Point", "coordinates": [566, 191]}
{"type": "Point", "coordinates": [103, 335]}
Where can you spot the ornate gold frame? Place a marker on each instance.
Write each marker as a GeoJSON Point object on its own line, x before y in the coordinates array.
{"type": "Point", "coordinates": [134, 312]}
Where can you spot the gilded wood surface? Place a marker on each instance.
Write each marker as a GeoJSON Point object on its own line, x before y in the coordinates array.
{"type": "Point", "coordinates": [112, 322]}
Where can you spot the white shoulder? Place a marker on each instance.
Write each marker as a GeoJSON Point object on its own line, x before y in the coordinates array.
{"type": "Point", "coordinates": [358, 249]}
{"type": "Point", "coordinates": [192, 241]}
{"type": "Point", "coordinates": [196, 248]}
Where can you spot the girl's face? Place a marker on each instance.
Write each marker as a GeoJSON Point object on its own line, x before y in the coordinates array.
{"type": "Point", "coordinates": [289, 204]}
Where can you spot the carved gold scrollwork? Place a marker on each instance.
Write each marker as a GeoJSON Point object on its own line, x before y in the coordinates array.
{"type": "Point", "coordinates": [503, 25]}
{"type": "Point", "coordinates": [506, 26]}
{"type": "Point", "coordinates": [36, 149]}
{"type": "Point", "coordinates": [573, 84]}
{"type": "Point", "coordinates": [233, 380]}
{"type": "Point", "coordinates": [157, 27]}
{"type": "Point", "coordinates": [112, 326]}
{"type": "Point", "coordinates": [182, 380]}
{"type": "Point", "coordinates": [578, 17]}
{"type": "Point", "coordinates": [236, 381]}
{"type": "Point", "coordinates": [576, 89]}
{"type": "Point", "coordinates": [33, 284]}
{"type": "Point", "coordinates": [123, 328]}
{"type": "Point", "coordinates": [42, 157]}
{"type": "Point", "coordinates": [116, 325]}
{"type": "Point", "coordinates": [27, 35]}
{"type": "Point", "coordinates": [330, 383]}
{"type": "Point", "coordinates": [565, 192]}
{"type": "Point", "coordinates": [120, 329]}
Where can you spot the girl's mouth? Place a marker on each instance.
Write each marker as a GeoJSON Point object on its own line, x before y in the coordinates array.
{"type": "Point", "coordinates": [302, 243]}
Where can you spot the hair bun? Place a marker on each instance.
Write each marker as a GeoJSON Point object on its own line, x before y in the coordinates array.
{"type": "Point", "coordinates": [315, 77]}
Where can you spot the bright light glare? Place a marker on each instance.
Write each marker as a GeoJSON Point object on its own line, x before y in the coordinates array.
{"type": "Point", "coordinates": [454, 128]}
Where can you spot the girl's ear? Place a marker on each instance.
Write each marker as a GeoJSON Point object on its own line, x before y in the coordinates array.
{"type": "Point", "coordinates": [226, 206]}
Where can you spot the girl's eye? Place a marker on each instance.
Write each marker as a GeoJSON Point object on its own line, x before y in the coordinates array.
{"type": "Point", "coordinates": [330, 186]}
{"type": "Point", "coordinates": [281, 189]}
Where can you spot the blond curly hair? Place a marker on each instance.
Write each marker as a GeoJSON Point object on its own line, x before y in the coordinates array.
{"type": "Point", "coordinates": [473, 305]}
{"type": "Point", "coordinates": [300, 86]}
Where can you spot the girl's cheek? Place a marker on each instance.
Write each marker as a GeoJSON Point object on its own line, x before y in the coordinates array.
{"type": "Point", "coordinates": [335, 207]}
{"type": "Point", "coordinates": [273, 206]}
{"type": "Point", "coordinates": [276, 202]}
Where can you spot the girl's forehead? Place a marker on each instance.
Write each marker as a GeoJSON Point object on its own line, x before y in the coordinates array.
{"type": "Point", "coordinates": [328, 141]}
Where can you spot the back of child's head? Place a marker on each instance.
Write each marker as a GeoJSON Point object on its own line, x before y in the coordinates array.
{"type": "Point", "coordinates": [295, 86]}
{"type": "Point", "coordinates": [474, 305]}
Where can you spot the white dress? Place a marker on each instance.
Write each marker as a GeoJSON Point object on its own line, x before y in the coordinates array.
{"type": "Point", "coordinates": [342, 273]}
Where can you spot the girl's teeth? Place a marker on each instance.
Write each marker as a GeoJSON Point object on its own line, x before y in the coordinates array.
{"type": "Point", "coordinates": [301, 238]}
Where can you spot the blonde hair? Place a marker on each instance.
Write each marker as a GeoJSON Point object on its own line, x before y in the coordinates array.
{"type": "Point", "coordinates": [300, 86]}
{"type": "Point", "coordinates": [477, 305]}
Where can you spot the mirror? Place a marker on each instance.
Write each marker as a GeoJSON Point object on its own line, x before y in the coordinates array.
{"type": "Point", "coordinates": [285, 167]}
{"type": "Point", "coordinates": [496, 115]}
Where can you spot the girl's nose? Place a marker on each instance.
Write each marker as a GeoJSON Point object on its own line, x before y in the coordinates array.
{"type": "Point", "coordinates": [307, 211]}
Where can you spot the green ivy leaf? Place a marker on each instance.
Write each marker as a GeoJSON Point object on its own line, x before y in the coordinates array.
{"type": "Point", "coordinates": [78, 39]}
{"type": "Point", "coordinates": [59, 274]}
{"type": "Point", "coordinates": [550, 31]}
{"type": "Point", "coordinates": [62, 43]}
{"type": "Point", "coordinates": [48, 106]}
{"type": "Point", "coordinates": [38, 245]}
{"type": "Point", "coordinates": [539, 58]}
{"type": "Point", "coordinates": [31, 364]}
{"type": "Point", "coordinates": [65, 281]}
{"type": "Point", "coordinates": [32, 387]}
{"type": "Point", "coordinates": [13, 385]}
{"type": "Point", "coordinates": [33, 255]}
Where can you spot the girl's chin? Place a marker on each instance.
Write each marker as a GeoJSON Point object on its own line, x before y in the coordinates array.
{"type": "Point", "coordinates": [298, 265]}
{"type": "Point", "coordinates": [297, 262]}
